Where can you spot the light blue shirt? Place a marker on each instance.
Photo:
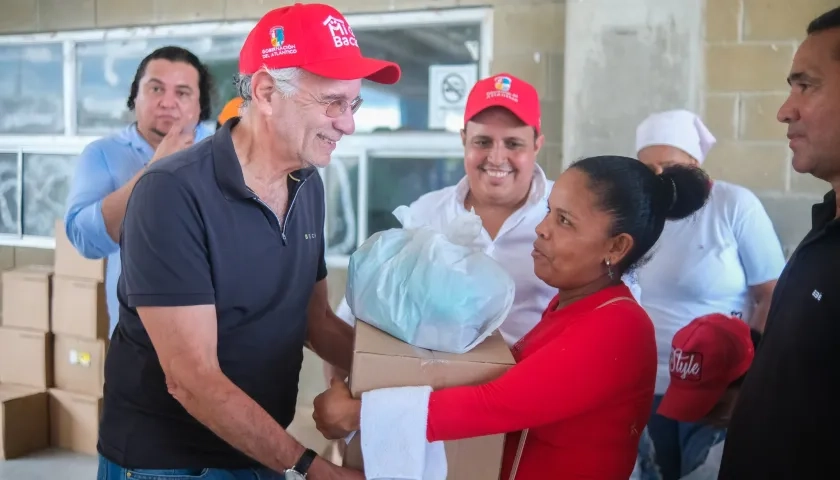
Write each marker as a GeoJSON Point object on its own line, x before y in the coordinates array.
{"type": "Point", "coordinates": [104, 166]}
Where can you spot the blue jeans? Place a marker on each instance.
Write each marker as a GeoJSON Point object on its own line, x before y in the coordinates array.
{"type": "Point", "coordinates": [109, 470]}
{"type": "Point", "coordinates": [669, 450]}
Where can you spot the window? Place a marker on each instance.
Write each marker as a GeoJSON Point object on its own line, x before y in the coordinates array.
{"type": "Point", "coordinates": [105, 71]}
{"type": "Point", "coordinates": [370, 176]}
{"type": "Point", "coordinates": [406, 105]}
{"type": "Point", "coordinates": [9, 213]}
{"type": "Point", "coordinates": [31, 89]}
{"type": "Point", "coordinates": [58, 92]}
{"type": "Point", "coordinates": [46, 184]}
{"type": "Point", "coordinates": [401, 180]}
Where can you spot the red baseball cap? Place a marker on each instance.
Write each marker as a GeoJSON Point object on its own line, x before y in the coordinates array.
{"type": "Point", "coordinates": [505, 90]}
{"type": "Point", "coordinates": [316, 38]}
{"type": "Point", "coordinates": [707, 355]}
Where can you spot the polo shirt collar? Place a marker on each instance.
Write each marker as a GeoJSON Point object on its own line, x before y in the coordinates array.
{"type": "Point", "coordinates": [228, 170]}
{"type": "Point", "coordinates": [823, 213]}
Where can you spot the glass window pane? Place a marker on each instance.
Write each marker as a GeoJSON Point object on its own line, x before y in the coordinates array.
{"type": "Point", "coordinates": [342, 186]}
{"type": "Point", "coordinates": [32, 89]}
{"type": "Point", "coordinates": [400, 181]}
{"type": "Point", "coordinates": [46, 183]}
{"type": "Point", "coordinates": [405, 106]}
{"type": "Point", "coordinates": [106, 69]}
{"type": "Point", "coordinates": [8, 193]}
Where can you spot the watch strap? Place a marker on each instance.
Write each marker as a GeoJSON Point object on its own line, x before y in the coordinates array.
{"type": "Point", "coordinates": [305, 461]}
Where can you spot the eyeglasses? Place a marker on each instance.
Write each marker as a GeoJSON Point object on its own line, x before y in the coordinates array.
{"type": "Point", "coordinates": [335, 108]}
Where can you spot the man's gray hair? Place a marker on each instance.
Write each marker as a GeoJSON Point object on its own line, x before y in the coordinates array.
{"type": "Point", "coordinates": [284, 80]}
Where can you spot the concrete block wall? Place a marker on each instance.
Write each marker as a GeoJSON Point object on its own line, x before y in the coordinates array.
{"type": "Point", "coordinates": [749, 49]}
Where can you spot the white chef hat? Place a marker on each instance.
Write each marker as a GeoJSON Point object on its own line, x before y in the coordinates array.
{"type": "Point", "coordinates": [676, 128]}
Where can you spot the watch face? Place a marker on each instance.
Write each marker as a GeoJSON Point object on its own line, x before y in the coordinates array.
{"type": "Point", "coordinates": [293, 475]}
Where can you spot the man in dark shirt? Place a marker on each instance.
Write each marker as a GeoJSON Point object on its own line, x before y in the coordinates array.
{"type": "Point", "coordinates": [786, 422]}
{"type": "Point", "coordinates": [223, 270]}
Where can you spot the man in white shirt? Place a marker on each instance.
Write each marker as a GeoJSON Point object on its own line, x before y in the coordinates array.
{"type": "Point", "coordinates": [709, 359]}
{"type": "Point", "coordinates": [505, 186]}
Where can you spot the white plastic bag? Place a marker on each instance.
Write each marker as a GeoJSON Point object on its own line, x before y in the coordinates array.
{"type": "Point", "coordinates": [432, 289]}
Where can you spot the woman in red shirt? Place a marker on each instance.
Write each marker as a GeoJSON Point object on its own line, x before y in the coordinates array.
{"type": "Point", "coordinates": [584, 379]}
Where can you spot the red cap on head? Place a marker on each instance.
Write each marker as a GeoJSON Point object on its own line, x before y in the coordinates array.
{"type": "Point", "coordinates": [505, 90]}
{"type": "Point", "coordinates": [314, 37]}
{"type": "Point", "coordinates": [707, 355]}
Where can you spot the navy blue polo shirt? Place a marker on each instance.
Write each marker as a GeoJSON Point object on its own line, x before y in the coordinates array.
{"type": "Point", "coordinates": [195, 234]}
{"type": "Point", "coordinates": [784, 425]}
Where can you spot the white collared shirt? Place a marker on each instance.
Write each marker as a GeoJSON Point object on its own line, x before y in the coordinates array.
{"type": "Point", "coordinates": [706, 263]}
{"type": "Point", "coordinates": [511, 249]}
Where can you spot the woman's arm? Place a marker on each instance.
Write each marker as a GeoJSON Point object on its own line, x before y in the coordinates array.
{"type": "Point", "coordinates": [586, 367]}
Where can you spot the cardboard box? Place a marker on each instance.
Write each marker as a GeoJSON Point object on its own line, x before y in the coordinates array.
{"type": "Point", "coordinates": [26, 297]}
{"type": "Point", "coordinates": [382, 361]}
{"type": "Point", "coordinates": [79, 364]}
{"type": "Point", "coordinates": [26, 357]}
{"type": "Point", "coordinates": [79, 308]}
{"type": "Point", "coordinates": [24, 425]}
{"type": "Point", "coordinates": [69, 262]}
{"type": "Point", "coordinates": [74, 421]}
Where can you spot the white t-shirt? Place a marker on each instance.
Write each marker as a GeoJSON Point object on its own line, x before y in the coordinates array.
{"type": "Point", "coordinates": [706, 263]}
{"type": "Point", "coordinates": [511, 248]}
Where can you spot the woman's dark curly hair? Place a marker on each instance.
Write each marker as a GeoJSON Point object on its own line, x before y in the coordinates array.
{"type": "Point", "coordinates": [178, 54]}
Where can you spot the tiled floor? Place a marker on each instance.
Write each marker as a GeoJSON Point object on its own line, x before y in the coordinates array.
{"type": "Point", "coordinates": [58, 464]}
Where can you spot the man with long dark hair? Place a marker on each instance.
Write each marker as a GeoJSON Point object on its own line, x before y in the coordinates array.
{"type": "Point", "coordinates": [170, 96]}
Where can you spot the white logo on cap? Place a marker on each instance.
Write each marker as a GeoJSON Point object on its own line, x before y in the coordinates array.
{"type": "Point", "coordinates": [686, 365]}
{"type": "Point", "coordinates": [341, 33]}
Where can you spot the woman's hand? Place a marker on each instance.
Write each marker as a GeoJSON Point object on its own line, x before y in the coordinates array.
{"type": "Point", "coordinates": [336, 411]}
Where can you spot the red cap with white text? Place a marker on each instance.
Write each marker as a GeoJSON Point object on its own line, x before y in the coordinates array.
{"type": "Point", "coordinates": [316, 38]}
{"type": "Point", "coordinates": [707, 355]}
{"type": "Point", "coordinates": [505, 90]}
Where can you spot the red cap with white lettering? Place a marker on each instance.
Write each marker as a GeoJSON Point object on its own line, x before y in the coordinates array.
{"type": "Point", "coordinates": [707, 355]}
{"type": "Point", "coordinates": [316, 38]}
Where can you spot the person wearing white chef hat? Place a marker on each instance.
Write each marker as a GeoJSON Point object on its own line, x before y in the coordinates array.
{"type": "Point", "coordinates": [725, 259]}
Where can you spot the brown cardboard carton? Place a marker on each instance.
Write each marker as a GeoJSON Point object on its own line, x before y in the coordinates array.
{"type": "Point", "coordinates": [382, 361]}
{"type": "Point", "coordinates": [74, 420]}
{"type": "Point", "coordinates": [69, 262]}
{"type": "Point", "coordinates": [79, 308]}
{"type": "Point", "coordinates": [26, 297]}
{"type": "Point", "coordinates": [26, 357]}
{"type": "Point", "coordinates": [79, 364]}
{"type": "Point", "coordinates": [24, 425]}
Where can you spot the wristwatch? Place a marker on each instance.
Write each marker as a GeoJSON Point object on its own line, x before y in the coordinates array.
{"type": "Point", "coordinates": [298, 472]}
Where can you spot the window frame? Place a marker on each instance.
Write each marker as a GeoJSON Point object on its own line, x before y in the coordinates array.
{"type": "Point", "coordinates": [364, 145]}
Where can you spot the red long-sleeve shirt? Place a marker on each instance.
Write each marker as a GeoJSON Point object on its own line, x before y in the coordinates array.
{"type": "Point", "coordinates": [583, 384]}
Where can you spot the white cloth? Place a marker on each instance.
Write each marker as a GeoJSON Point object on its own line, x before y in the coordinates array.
{"type": "Point", "coordinates": [706, 263]}
{"type": "Point", "coordinates": [676, 128]}
{"type": "Point", "coordinates": [393, 435]}
{"type": "Point", "coordinates": [511, 248]}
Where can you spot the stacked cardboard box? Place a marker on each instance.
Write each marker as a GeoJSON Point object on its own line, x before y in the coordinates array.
{"type": "Point", "coordinates": [53, 339]}
{"type": "Point", "coordinates": [80, 326]}
{"type": "Point", "coordinates": [25, 360]}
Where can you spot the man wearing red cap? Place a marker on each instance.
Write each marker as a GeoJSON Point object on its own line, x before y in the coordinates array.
{"type": "Point", "coordinates": [223, 278]}
{"type": "Point", "coordinates": [709, 360]}
{"type": "Point", "coordinates": [502, 136]}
